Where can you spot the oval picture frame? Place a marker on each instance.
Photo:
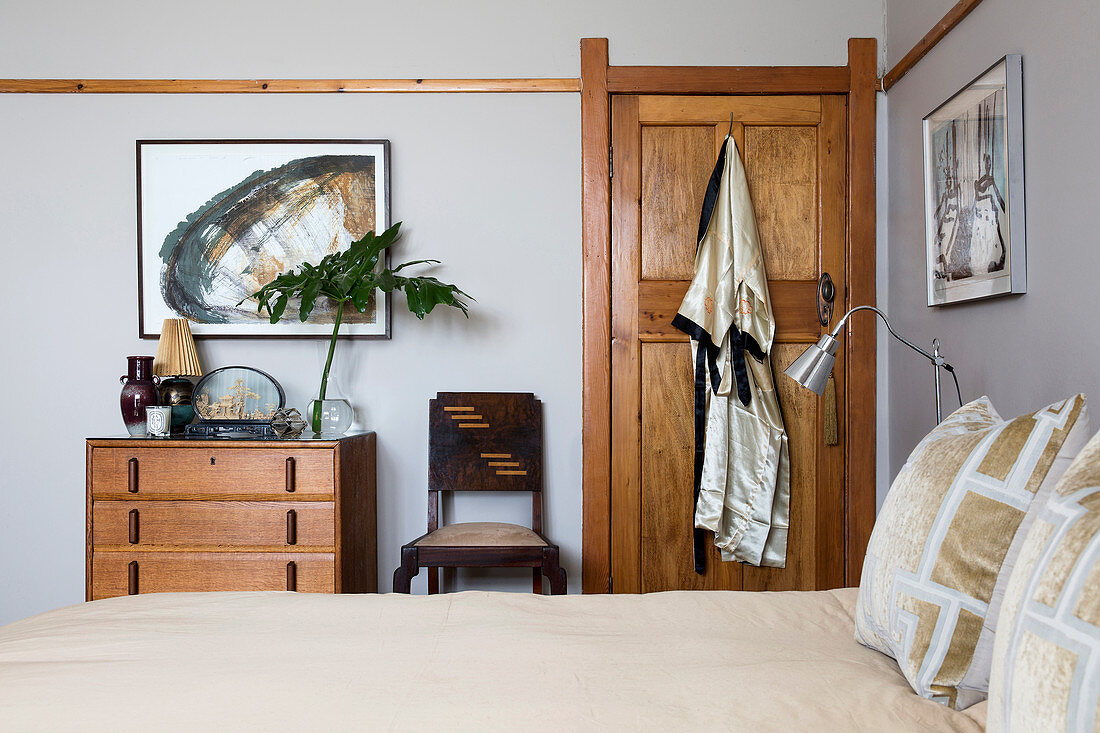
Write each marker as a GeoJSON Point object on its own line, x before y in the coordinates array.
{"type": "Point", "coordinates": [237, 394]}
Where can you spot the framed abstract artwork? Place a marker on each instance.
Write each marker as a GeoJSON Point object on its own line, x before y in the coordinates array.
{"type": "Point", "coordinates": [218, 219]}
{"type": "Point", "coordinates": [974, 189]}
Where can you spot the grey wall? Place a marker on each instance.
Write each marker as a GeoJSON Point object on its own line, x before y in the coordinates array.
{"type": "Point", "coordinates": [1023, 351]}
{"type": "Point", "coordinates": [488, 183]}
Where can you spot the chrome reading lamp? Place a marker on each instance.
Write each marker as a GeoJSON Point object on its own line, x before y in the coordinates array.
{"type": "Point", "coordinates": [812, 369]}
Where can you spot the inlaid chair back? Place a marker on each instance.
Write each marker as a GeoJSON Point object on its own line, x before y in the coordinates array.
{"type": "Point", "coordinates": [485, 441]}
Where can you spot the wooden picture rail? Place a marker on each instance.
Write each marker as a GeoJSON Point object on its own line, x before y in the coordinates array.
{"type": "Point", "coordinates": [953, 17]}
{"type": "Point", "coordinates": [284, 86]}
{"type": "Point", "coordinates": [618, 79]}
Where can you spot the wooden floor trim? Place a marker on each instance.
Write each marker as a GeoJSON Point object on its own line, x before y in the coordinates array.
{"type": "Point", "coordinates": [286, 86]}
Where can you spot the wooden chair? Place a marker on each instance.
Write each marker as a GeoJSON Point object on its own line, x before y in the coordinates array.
{"type": "Point", "coordinates": [483, 441]}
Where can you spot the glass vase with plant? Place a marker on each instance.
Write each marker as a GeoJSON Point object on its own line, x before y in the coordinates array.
{"type": "Point", "coordinates": [350, 278]}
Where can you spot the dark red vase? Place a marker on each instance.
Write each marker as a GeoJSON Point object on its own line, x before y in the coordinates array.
{"type": "Point", "coordinates": [138, 392]}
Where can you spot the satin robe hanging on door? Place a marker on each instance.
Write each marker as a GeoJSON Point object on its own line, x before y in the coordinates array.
{"type": "Point", "coordinates": [742, 462]}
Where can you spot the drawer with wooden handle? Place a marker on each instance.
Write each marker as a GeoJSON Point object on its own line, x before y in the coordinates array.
{"type": "Point", "coordinates": [242, 523]}
{"type": "Point", "coordinates": [130, 573]}
{"type": "Point", "coordinates": [153, 471]}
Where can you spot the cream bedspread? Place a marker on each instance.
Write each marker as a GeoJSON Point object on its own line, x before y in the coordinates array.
{"type": "Point", "coordinates": [469, 661]}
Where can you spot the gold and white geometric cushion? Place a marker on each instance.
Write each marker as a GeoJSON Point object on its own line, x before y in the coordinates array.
{"type": "Point", "coordinates": [1046, 657]}
{"type": "Point", "coordinates": [929, 592]}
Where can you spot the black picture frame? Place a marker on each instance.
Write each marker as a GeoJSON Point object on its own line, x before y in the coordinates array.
{"type": "Point", "coordinates": [261, 330]}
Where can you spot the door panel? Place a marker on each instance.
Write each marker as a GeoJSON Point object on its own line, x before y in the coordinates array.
{"type": "Point", "coordinates": [668, 449]}
{"type": "Point", "coordinates": [664, 150]}
{"type": "Point", "coordinates": [799, 417]}
{"type": "Point", "coordinates": [676, 164]}
{"type": "Point", "coordinates": [781, 165]}
{"type": "Point", "coordinates": [668, 454]}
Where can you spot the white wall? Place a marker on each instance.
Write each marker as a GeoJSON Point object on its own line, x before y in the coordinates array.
{"type": "Point", "coordinates": [1023, 351]}
{"type": "Point", "coordinates": [488, 183]}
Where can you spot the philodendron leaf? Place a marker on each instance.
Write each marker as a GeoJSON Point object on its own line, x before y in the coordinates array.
{"type": "Point", "coordinates": [403, 265]}
{"type": "Point", "coordinates": [414, 299]}
{"type": "Point", "coordinates": [280, 306]}
{"type": "Point", "coordinates": [344, 284]}
{"type": "Point", "coordinates": [386, 238]}
{"type": "Point", "coordinates": [434, 292]}
{"type": "Point", "coordinates": [386, 281]}
{"type": "Point", "coordinates": [375, 244]}
{"type": "Point", "coordinates": [309, 298]}
{"type": "Point", "coordinates": [350, 275]}
{"type": "Point", "coordinates": [360, 297]}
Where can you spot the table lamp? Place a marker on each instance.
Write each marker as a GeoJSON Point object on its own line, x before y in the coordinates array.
{"type": "Point", "coordinates": [176, 359]}
{"type": "Point", "coordinates": [811, 370]}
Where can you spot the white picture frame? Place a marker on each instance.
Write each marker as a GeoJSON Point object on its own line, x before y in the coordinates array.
{"type": "Point", "coordinates": [975, 241]}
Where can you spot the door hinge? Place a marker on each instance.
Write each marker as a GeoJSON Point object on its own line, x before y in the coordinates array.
{"type": "Point", "coordinates": [611, 161]}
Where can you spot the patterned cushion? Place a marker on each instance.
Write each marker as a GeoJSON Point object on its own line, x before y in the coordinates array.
{"type": "Point", "coordinates": [1046, 657]}
{"type": "Point", "coordinates": [929, 593]}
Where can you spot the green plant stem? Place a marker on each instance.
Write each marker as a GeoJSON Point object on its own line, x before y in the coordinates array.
{"type": "Point", "coordinates": [328, 367]}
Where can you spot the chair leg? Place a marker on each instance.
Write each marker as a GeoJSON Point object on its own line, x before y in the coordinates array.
{"type": "Point", "coordinates": [433, 581]}
{"type": "Point", "coordinates": [402, 577]}
{"type": "Point", "coordinates": [552, 570]}
{"type": "Point", "coordinates": [536, 583]}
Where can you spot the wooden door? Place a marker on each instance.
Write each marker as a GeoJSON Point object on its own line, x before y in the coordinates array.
{"type": "Point", "coordinates": [664, 148]}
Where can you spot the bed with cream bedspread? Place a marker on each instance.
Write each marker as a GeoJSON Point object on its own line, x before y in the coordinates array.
{"type": "Point", "coordinates": [461, 661]}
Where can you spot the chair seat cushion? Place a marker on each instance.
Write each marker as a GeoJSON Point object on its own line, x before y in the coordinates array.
{"type": "Point", "coordinates": [482, 534]}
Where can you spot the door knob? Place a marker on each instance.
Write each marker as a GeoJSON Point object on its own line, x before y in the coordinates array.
{"type": "Point", "coordinates": [826, 293]}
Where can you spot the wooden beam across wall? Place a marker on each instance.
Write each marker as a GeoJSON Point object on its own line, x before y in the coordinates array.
{"type": "Point", "coordinates": [727, 79]}
{"type": "Point", "coordinates": [953, 17]}
{"type": "Point", "coordinates": [284, 86]}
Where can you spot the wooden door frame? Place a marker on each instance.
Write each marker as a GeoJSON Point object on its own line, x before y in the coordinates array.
{"type": "Point", "coordinates": [599, 80]}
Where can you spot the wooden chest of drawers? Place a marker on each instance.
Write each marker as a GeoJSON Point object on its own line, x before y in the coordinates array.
{"type": "Point", "coordinates": [203, 515]}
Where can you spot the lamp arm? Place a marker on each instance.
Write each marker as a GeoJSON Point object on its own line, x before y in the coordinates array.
{"type": "Point", "coordinates": [937, 360]}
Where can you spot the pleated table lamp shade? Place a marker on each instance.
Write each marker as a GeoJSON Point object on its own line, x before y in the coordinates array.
{"type": "Point", "coordinates": [176, 356]}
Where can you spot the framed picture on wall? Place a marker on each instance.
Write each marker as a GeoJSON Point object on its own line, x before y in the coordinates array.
{"type": "Point", "coordinates": [974, 189]}
{"type": "Point", "coordinates": [218, 219]}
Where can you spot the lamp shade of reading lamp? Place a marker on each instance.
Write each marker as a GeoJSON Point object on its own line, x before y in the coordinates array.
{"type": "Point", "coordinates": [812, 368]}
{"type": "Point", "coordinates": [176, 358]}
